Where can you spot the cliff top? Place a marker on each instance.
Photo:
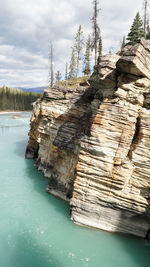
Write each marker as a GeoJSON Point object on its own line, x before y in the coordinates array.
{"type": "Point", "coordinates": [72, 83]}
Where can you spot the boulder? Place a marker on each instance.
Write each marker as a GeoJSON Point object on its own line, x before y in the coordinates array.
{"type": "Point", "coordinates": [136, 60]}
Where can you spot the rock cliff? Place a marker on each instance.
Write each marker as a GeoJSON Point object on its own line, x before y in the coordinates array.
{"type": "Point", "coordinates": [93, 143]}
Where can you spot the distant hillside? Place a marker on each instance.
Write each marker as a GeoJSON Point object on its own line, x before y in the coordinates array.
{"type": "Point", "coordinates": [34, 89]}
{"type": "Point", "coordinates": [16, 99]}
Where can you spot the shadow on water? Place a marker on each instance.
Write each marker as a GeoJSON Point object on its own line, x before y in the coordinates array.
{"type": "Point", "coordinates": [20, 147]}
{"type": "Point", "coordinates": [39, 182]}
{"type": "Point", "coordinates": [136, 248]}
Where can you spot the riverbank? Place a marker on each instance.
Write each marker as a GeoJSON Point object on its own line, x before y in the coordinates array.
{"type": "Point", "coordinates": [12, 112]}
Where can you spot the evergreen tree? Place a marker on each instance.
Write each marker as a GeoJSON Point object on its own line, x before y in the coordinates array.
{"type": "Point", "coordinates": [72, 67]}
{"type": "Point", "coordinates": [110, 51]}
{"type": "Point", "coordinates": [123, 42]}
{"type": "Point", "coordinates": [78, 46]}
{"type": "Point", "coordinates": [96, 29]}
{"type": "Point", "coordinates": [58, 76]}
{"type": "Point", "coordinates": [136, 31]}
{"type": "Point", "coordinates": [86, 62]}
{"type": "Point", "coordinates": [100, 46]}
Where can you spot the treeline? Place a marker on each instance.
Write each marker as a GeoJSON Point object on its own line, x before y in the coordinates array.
{"type": "Point", "coordinates": [15, 99]}
{"type": "Point", "coordinates": [81, 61]}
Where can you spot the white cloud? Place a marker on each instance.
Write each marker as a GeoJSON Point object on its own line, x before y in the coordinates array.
{"type": "Point", "coordinates": [28, 27]}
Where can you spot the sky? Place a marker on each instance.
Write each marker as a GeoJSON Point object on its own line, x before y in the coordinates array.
{"type": "Point", "coordinates": [28, 27]}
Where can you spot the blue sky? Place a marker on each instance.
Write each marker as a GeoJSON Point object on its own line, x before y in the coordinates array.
{"type": "Point", "coordinates": [27, 27]}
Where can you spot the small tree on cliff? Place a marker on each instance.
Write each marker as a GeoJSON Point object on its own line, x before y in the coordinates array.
{"type": "Point", "coordinates": [72, 67]}
{"type": "Point", "coordinates": [86, 62]}
{"type": "Point", "coordinates": [136, 31]}
{"type": "Point", "coordinates": [58, 76]}
{"type": "Point", "coordinates": [78, 46]}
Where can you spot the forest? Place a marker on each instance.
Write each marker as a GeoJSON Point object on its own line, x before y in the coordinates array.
{"type": "Point", "coordinates": [15, 99]}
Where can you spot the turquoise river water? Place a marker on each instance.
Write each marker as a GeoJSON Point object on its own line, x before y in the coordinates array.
{"type": "Point", "coordinates": [35, 228]}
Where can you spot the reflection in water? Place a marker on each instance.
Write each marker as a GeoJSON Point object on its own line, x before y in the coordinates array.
{"type": "Point", "coordinates": [36, 229]}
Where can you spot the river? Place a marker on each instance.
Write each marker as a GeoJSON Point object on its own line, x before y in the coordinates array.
{"type": "Point", "coordinates": [35, 228]}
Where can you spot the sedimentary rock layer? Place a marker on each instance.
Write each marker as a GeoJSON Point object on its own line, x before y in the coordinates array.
{"type": "Point", "coordinates": [112, 186]}
{"type": "Point", "coordinates": [93, 143]}
{"type": "Point", "coordinates": [58, 122]}
{"type": "Point", "coordinates": [136, 60]}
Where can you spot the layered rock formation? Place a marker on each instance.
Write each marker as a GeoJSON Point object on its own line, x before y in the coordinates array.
{"type": "Point", "coordinates": [59, 120]}
{"type": "Point", "coordinates": [93, 143]}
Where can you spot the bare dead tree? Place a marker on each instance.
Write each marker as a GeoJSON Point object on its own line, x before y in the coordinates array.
{"type": "Point", "coordinates": [96, 29]}
{"type": "Point", "coordinates": [145, 18]}
{"type": "Point", "coordinates": [66, 72]}
{"type": "Point", "coordinates": [51, 66]}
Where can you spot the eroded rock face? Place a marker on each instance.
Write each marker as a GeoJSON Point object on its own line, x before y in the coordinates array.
{"type": "Point", "coordinates": [93, 143]}
{"type": "Point", "coordinates": [58, 122]}
{"type": "Point", "coordinates": [104, 77]}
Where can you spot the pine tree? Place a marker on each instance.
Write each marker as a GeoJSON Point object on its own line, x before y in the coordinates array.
{"type": "Point", "coordinates": [58, 76]}
{"type": "Point", "coordinates": [100, 46]}
{"type": "Point", "coordinates": [51, 67]}
{"type": "Point", "coordinates": [78, 48]}
{"type": "Point", "coordinates": [136, 31]}
{"type": "Point", "coordinates": [86, 62]}
{"type": "Point", "coordinates": [72, 67]}
{"type": "Point", "coordinates": [123, 42]}
{"type": "Point", "coordinates": [96, 29]}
